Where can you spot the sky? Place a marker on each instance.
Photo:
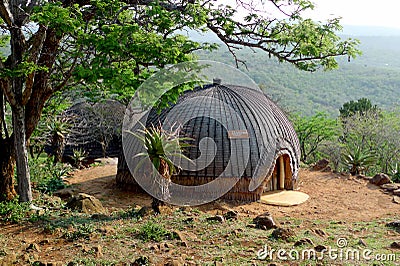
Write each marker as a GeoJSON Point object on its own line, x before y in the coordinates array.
{"type": "Point", "coordinates": [384, 13]}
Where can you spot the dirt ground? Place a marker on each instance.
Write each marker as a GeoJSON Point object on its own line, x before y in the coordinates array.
{"type": "Point", "coordinates": [332, 197]}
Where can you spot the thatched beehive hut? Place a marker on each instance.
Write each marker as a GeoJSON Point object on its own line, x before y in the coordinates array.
{"type": "Point", "coordinates": [273, 144]}
{"type": "Point", "coordinates": [94, 129]}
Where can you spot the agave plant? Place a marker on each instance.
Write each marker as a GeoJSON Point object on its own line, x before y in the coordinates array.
{"type": "Point", "coordinates": [358, 159]}
{"type": "Point", "coordinates": [161, 145]}
{"type": "Point", "coordinates": [395, 172]}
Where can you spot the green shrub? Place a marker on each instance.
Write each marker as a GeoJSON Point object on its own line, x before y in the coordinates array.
{"type": "Point", "coordinates": [48, 177]}
{"type": "Point", "coordinates": [154, 231]}
{"type": "Point", "coordinates": [82, 232]}
{"type": "Point", "coordinates": [13, 211]}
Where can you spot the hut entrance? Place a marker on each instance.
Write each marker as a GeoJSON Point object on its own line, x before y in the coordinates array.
{"type": "Point", "coordinates": [281, 178]}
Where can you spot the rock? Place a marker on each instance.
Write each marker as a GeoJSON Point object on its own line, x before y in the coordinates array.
{"type": "Point", "coordinates": [57, 263]}
{"type": "Point", "coordinates": [98, 251]}
{"type": "Point", "coordinates": [320, 248]}
{"type": "Point", "coordinates": [396, 192]}
{"type": "Point", "coordinates": [367, 178]}
{"type": "Point", "coordinates": [65, 193]}
{"type": "Point", "coordinates": [362, 243]}
{"type": "Point", "coordinates": [395, 224]}
{"type": "Point", "coordinates": [44, 242]}
{"type": "Point", "coordinates": [86, 204]}
{"type": "Point", "coordinates": [396, 199]}
{"type": "Point", "coordinates": [327, 169]}
{"type": "Point", "coordinates": [395, 245]}
{"type": "Point", "coordinates": [380, 179]}
{"type": "Point", "coordinates": [142, 260]}
{"type": "Point", "coordinates": [231, 215]}
{"type": "Point", "coordinates": [304, 241]}
{"type": "Point", "coordinates": [145, 211]}
{"type": "Point", "coordinates": [33, 247]}
{"type": "Point", "coordinates": [180, 236]}
{"type": "Point", "coordinates": [320, 232]}
{"type": "Point", "coordinates": [265, 221]}
{"type": "Point", "coordinates": [390, 186]}
{"type": "Point", "coordinates": [282, 233]}
{"type": "Point", "coordinates": [100, 217]}
{"type": "Point", "coordinates": [360, 176]}
{"type": "Point", "coordinates": [320, 165]}
{"type": "Point", "coordinates": [216, 218]}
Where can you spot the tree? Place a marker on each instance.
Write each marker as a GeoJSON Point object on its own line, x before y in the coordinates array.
{"type": "Point", "coordinates": [312, 132]}
{"type": "Point", "coordinates": [361, 107]}
{"type": "Point", "coordinates": [111, 46]}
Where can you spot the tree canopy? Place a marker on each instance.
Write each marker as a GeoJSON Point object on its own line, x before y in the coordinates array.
{"type": "Point", "coordinates": [112, 46]}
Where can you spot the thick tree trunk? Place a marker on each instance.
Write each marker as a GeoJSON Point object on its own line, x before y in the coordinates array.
{"type": "Point", "coordinates": [23, 175]}
{"type": "Point", "coordinates": [7, 164]}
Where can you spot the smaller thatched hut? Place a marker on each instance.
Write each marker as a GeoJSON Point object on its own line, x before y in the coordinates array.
{"type": "Point", "coordinates": [94, 129]}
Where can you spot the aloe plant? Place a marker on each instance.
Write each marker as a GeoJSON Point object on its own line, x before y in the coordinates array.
{"type": "Point", "coordinates": [161, 145]}
{"type": "Point", "coordinates": [358, 159]}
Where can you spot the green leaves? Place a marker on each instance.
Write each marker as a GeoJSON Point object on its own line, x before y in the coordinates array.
{"type": "Point", "coordinates": [359, 160]}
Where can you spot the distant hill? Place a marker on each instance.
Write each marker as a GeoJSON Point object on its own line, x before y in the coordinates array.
{"type": "Point", "coordinates": [375, 75]}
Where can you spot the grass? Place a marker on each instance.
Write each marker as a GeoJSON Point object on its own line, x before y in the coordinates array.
{"type": "Point", "coordinates": [231, 242]}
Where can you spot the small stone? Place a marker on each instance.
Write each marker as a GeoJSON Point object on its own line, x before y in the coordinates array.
{"type": "Point", "coordinates": [320, 165]}
{"type": "Point", "coordinates": [100, 216]}
{"type": "Point", "coordinates": [304, 241]}
{"type": "Point", "coordinates": [33, 247]}
{"type": "Point", "coordinates": [396, 192]}
{"type": "Point", "coordinates": [142, 260]}
{"type": "Point", "coordinates": [282, 233]}
{"type": "Point", "coordinates": [396, 199]}
{"type": "Point", "coordinates": [320, 232]}
{"type": "Point", "coordinates": [265, 221]}
{"type": "Point", "coordinates": [380, 179]}
{"type": "Point", "coordinates": [231, 215]}
{"type": "Point", "coordinates": [44, 242]}
{"type": "Point", "coordinates": [180, 236]}
{"type": "Point", "coordinates": [395, 224]}
{"type": "Point", "coordinates": [362, 242]}
{"type": "Point", "coordinates": [320, 248]}
{"type": "Point", "coordinates": [395, 245]}
{"type": "Point", "coordinates": [390, 186]}
{"type": "Point", "coordinates": [98, 251]}
{"type": "Point", "coordinates": [367, 178]}
{"type": "Point", "coordinates": [216, 218]}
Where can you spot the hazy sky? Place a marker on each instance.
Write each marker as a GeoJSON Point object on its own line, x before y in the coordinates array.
{"type": "Point", "coordinates": [360, 12]}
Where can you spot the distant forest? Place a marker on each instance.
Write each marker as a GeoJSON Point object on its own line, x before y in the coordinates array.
{"type": "Point", "coordinates": [374, 75]}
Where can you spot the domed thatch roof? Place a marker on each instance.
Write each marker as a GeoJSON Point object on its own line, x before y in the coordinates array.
{"type": "Point", "coordinates": [264, 128]}
{"type": "Point", "coordinates": [95, 129]}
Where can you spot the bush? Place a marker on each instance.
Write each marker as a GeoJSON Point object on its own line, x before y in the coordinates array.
{"type": "Point", "coordinates": [13, 211]}
{"type": "Point", "coordinates": [48, 177]}
{"type": "Point", "coordinates": [154, 231]}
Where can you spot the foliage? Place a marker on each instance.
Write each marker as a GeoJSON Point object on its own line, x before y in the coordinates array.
{"type": "Point", "coordinates": [395, 173]}
{"type": "Point", "coordinates": [154, 231]}
{"type": "Point", "coordinates": [49, 177]}
{"type": "Point", "coordinates": [312, 133]}
{"type": "Point", "coordinates": [82, 231]}
{"type": "Point", "coordinates": [78, 157]}
{"type": "Point", "coordinates": [361, 107]}
{"type": "Point", "coordinates": [359, 160]}
{"type": "Point", "coordinates": [13, 211]}
{"type": "Point", "coordinates": [112, 46]}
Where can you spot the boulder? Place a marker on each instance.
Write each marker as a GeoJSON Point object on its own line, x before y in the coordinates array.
{"type": "Point", "coordinates": [86, 204]}
{"type": "Point", "coordinates": [396, 192]}
{"type": "Point", "coordinates": [380, 179]}
{"type": "Point", "coordinates": [320, 165]}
